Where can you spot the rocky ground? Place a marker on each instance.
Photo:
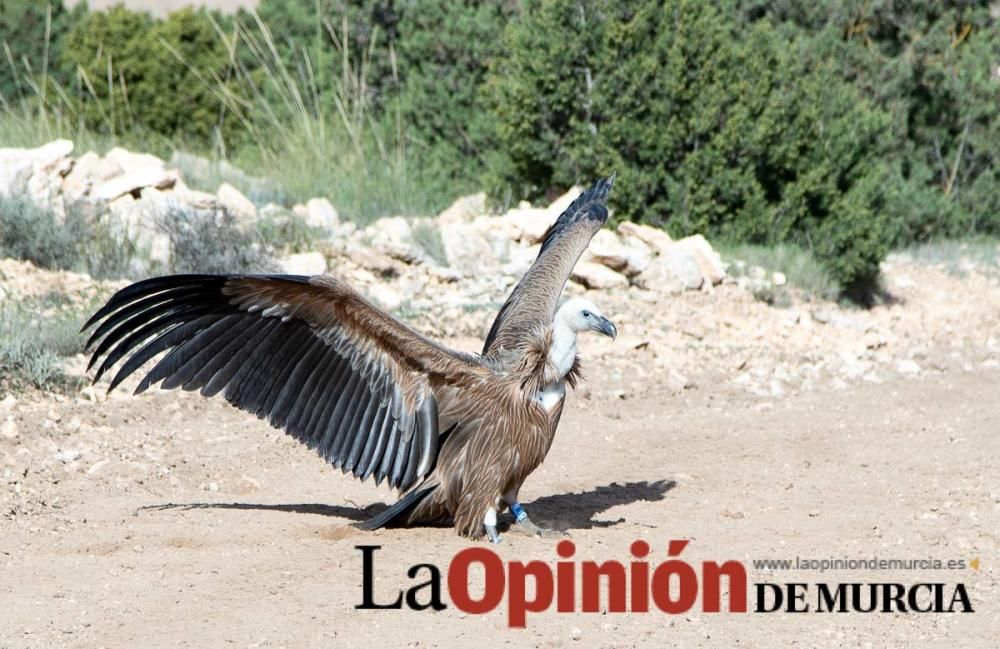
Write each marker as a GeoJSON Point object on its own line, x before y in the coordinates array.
{"type": "Point", "coordinates": [812, 431]}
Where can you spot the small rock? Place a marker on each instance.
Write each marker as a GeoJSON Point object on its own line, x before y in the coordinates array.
{"type": "Point", "coordinates": [575, 633]}
{"type": "Point", "coordinates": [235, 202]}
{"type": "Point", "coordinates": [677, 382]}
{"type": "Point", "coordinates": [712, 268]}
{"type": "Point", "coordinates": [778, 278]}
{"type": "Point", "coordinates": [527, 224]}
{"type": "Point", "coordinates": [389, 298]}
{"type": "Point", "coordinates": [677, 268]}
{"type": "Point", "coordinates": [320, 213]}
{"type": "Point", "coordinates": [466, 249]}
{"type": "Point", "coordinates": [68, 455]}
{"type": "Point", "coordinates": [908, 367]}
{"type": "Point", "coordinates": [608, 249]}
{"type": "Point", "coordinates": [8, 403]}
{"type": "Point", "coordinates": [596, 276]}
{"type": "Point", "coordinates": [658, 240]}
{"type": "Point", "coordinates": [304, 263]}
{"type": "Point", "coordinates": [464, 209]}
{"type": "Point", "coordinates": [8, 429]}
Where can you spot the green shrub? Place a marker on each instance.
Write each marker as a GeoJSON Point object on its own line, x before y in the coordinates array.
{"type": "Point", "coordinates": [287, 232]}
{"type": "Point", "coordinates": [315, 37]}
{"type": "Point", "coordinates": [35, 335]}
{"type": "Point", "coordinates": [711, 129]}
{"type": "Point", "coordinates": [214, 243]}
{"type": "Point", "coordinates": [165, 76]}
{"type": "Point", "coordinates": [33, 233]}
{"type": "Point", "coordinates": [932, 66]}
{"type": "Point", "coordinates": [445, 50]}
{"type": "Point", "coordinates": [79, 241]}
{"type": "Point", "coordinates": [32, 33]}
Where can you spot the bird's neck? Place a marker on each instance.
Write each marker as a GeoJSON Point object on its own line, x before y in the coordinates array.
{"type": "Point", "coordinates": [562, 351]}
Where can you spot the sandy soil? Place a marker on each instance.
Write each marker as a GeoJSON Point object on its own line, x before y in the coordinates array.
{"type": "Point", "coordinates": [199, 526]}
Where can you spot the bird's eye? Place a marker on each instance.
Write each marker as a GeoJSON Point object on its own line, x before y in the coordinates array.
{"type": "Point", "coordinates": [586, 314]}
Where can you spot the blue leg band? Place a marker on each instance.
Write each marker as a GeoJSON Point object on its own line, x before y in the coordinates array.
{"type": "Point", "coordinates": [518, 512]}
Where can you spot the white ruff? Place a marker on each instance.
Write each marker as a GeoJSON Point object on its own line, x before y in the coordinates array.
{"type": "Point", "coordinates": [550, 396]}
{"type": "Point", "coordinates": [562, 352]}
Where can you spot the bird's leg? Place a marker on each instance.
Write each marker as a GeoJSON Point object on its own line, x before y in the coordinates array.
{"type": "Point", "coordinates": [490, 525]}
{"type": "Point", "coordinates": [524, 525]}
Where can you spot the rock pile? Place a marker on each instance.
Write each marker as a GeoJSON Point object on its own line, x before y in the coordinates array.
{"type": "Point", "coordinates": [132, 189]}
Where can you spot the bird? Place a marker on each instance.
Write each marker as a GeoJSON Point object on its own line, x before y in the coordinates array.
{"type": "Point", "coordinates": [456, 433]}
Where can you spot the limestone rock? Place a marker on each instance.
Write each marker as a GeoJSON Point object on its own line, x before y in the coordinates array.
{"type": "Point", "coordinates": [466, 248]}
{"type": "Point", "coordinates": [629, 258]}
{"type": "Point", "coordinates": [672, 273]}
{"type": "Point", "coordinates": [712, 268]}
{"type": "Point", "coordinates": [17, 165]}
{"type": "Point", "coordinates": [385, 295]}
{"type": "Point", "coordinates": [304, 263]}
{"type": "Point", "coordinates": [658, 240]}
{"type": "Point", "coordinates": [596, 276]}
{"type": "Point", "coordinates": [394, 236]}
{"type": "Point", "coordinates": [464, 209]}
{"type": "Point", "coordinates": [193, 198]}
{"type": "Point", "coordinates": [140, 170]}
{"type": "Point", "coordinates": [527, 224]}
{"type": "Point", "coordinates": [236, 203]}
{"type": "Point", "coordinates": [320, 213]}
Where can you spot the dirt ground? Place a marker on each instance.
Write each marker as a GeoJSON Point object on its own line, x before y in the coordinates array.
{"type": "Point", "coordinates": [199, 526]}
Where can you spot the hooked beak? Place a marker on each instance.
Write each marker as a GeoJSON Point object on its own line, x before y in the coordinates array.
{"type": "Point", "coordinates": [606, 327]}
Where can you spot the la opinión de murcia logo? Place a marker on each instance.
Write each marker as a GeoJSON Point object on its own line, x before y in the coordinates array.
{"type": "Point", "coordinates": [639, 585]}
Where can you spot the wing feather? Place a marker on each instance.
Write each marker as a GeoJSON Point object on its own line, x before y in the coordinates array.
{"type": "Point", "coordinates": [532, 304]}
{"type": "Point", "coordinates": [309, 355]}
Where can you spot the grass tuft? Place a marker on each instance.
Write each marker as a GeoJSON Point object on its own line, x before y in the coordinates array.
{"type": "Point", "coordinates": [35, 336]}
{"type": "Point", "coordinates": [801, 269]}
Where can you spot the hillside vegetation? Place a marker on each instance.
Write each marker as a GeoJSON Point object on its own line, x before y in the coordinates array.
{"type": "Point", "coordinates": [843, 129]}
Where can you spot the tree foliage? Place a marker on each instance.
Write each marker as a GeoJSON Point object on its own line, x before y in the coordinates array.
{"type": "Point", "coordinates": [164, 75]}
{"type": "Point", "coordinates": [711, 128]}
{"type": "Point", "coordinates": [32, 32]}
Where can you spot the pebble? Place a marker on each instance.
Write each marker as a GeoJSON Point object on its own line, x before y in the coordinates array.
{"type": "Point", "coordinates": [68, 455]}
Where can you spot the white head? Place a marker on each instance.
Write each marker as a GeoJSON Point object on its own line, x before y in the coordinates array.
{"type": "Point", "coordinates": [579, 314]}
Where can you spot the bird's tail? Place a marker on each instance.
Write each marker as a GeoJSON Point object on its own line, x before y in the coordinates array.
{"type": "Point", "coordinates": [404, 505]}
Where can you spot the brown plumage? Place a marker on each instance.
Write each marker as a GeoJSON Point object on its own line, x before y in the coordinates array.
{"type": "Point", "coordinates": [456, 433]}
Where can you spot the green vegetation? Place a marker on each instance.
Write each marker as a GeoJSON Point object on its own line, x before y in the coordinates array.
{"type": "Point", "coordinates": [801, 269]}
{"type": "Point", "coordinates": [78, 240]}
{"type": "Point", "coordinates": [839, 129]}
{"type": "Point", "coordinates": [35, 335]}
{"type": "Point", "coordinates": [213, 244]}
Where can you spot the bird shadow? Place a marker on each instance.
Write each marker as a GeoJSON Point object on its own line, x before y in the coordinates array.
{"type": "Point", "coordinates": [578, 511]}
{"type": "Point", "coordinates": [574, 511]}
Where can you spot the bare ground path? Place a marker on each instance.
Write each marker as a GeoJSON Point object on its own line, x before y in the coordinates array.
{"type": "Point", "coordinates": [202, 527]}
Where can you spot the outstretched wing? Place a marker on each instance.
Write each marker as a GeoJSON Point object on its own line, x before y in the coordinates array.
{"type": "Point", "coordinates": [308, 354]}
{"type": "Point", "coordinates": [532, 304]}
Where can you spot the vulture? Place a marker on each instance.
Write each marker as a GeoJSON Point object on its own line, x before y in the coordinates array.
{"type": "Point", "coordinates": [455, 433]}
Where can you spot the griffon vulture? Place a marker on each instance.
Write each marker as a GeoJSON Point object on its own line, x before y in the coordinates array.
{"type": "Point", "coordinates": [455, 433]}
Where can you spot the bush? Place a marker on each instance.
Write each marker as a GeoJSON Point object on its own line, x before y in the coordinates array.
{"type": "Point", "coordinates": [35, 335]}
{"type": "Point", "coordinates": [212, 244]}
{"type": "Point", "coordinates": [445, 50]}
{"type": "Point", "coordinates": [932, 65]}
{"type": "Point", "coordinates": [314, 37]}
{"type": "Point", "coordinates": [164, 76]}
{"type": "Point", "coordinates": [33, 233]}
{"type": "Point", "coordinates": [33, 34]}
{"type": "Point", "coordinates": [78, 241]}
{"type": "Point", "coordinates": [711, 129]}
